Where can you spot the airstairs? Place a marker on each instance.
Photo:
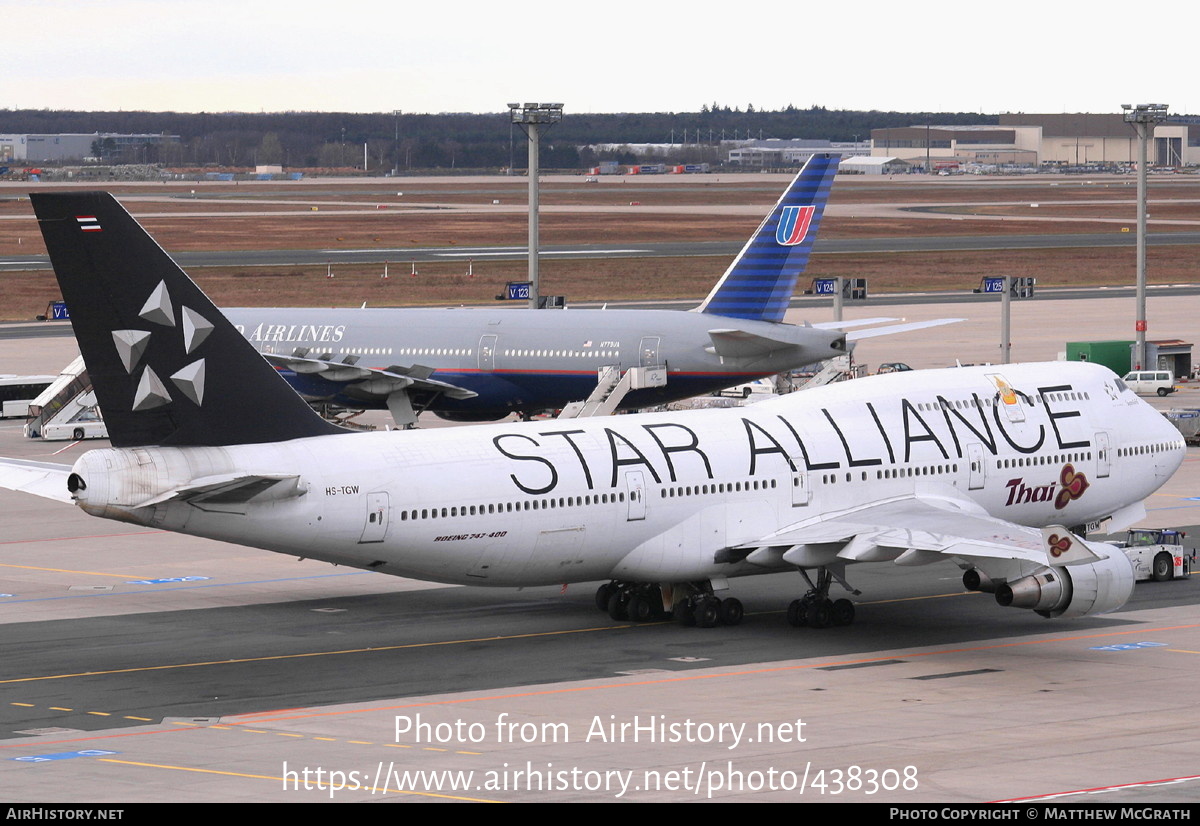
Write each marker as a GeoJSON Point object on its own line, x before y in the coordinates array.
{"type": "Point", "coordinates": [67, 407]}
{"type": "Point", "coordinates": [611, 388]}
{"type": "Point", "coordinates": [835, 369]}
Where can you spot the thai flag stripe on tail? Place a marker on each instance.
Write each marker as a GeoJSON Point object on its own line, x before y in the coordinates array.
{"type": "Point", "coordinates": [88, 223]}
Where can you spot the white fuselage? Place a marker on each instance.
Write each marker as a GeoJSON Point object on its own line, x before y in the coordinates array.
{"type": "Point", "coordinates": [659, 497]}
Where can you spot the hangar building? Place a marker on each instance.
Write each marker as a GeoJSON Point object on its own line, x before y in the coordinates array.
{"type": "Point", "coordinates": [1033, 140]}
{"type": "Point", "coordinates": [104, 146]}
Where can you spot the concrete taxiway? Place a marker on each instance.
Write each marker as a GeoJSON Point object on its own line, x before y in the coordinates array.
{"type": "Point", "coordinates": [953, 243]}
{"type": "Point", "coordinates": [144, 666]}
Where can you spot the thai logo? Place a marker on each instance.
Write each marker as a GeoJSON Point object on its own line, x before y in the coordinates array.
{"type": "Point", "coordinates": [1059, 545]}
{"type": "Point", "coordinates": [793, 225]}
{"type": "Point", "coordinates": [1069, 487]}
{"type": "Point", "coordinates": [1073, 486]}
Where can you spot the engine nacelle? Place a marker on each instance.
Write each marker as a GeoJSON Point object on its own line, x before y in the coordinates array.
{"type": "Point", "coordinates": [1074, 590]}
{"type": "Point", "coordinates": [471, 415]}
{"type": "Point", "coordinates": [977, 580]}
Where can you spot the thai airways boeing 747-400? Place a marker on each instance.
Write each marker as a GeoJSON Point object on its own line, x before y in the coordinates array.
{"type": "Point", "coordinates": [995, 467]}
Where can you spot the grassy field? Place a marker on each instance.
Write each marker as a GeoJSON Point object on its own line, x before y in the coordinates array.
{"type": "Point", "coordinates": [447, 213]}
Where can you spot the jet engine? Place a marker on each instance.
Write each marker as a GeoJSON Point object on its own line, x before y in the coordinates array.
{"type": "Point", "coordinates": [1073, 590]}
{"type": "Point", "coordinates": [977, 580]}
{"type": "Point", "coordinates": [471, 415]}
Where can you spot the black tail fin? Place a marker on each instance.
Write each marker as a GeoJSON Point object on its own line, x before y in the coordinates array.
{"type": "Point", "coordinates": [167, 367]}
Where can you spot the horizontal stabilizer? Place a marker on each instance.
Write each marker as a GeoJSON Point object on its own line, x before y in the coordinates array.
{"type": "Point", "coordinates": [851, 322]}
{"type": "Point", "coordinates": [45, 479]}
{"type": "Point", "coordinates": [892, 329]}
{"type": "Point", "coordinates": [739, 344]}
{"type": "Point", "coordinates": [232, 488]}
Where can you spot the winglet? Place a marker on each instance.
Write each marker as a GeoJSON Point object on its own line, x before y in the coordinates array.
{"type": "Point", "coordinates": [167, 367]}
{"type": "Point", "coordinates": [760, 282]}
{"type": "Point", "coordinates": [1065, 548]}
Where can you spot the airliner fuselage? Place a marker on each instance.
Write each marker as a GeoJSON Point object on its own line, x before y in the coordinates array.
{"type": "Point", "coordinates": [524, 360]}
{"type": "Point", "coordinates": [665, 497]}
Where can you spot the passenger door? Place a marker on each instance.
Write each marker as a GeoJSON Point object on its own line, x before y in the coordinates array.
{"type": "Point", "coordinates": [376, 524]}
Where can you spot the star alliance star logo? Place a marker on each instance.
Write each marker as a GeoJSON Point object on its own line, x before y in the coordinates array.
{"type": "Point", "coordinates": [131, 345]}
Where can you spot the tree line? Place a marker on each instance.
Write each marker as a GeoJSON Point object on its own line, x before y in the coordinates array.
{"type": "Point", "coordinates": [411, 141]}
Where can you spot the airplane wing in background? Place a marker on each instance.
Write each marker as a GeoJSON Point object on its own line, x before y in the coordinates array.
{"type": "Point", "coordinates": [368, 383]}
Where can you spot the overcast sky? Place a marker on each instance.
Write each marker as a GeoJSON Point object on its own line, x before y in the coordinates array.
{"type": "Point", "coordinates": [619, 56]}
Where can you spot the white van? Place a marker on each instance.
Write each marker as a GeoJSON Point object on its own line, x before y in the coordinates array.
{"type": "Point", "coordinates": [1145, 382]}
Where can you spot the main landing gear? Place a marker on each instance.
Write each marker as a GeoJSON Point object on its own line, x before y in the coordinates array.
{"type": "Point", "coordinates": [694, 603]}
{"type": "Point", "coordinates": [689, 603]}
{"type": "Point", "coordinates": [815, 609]}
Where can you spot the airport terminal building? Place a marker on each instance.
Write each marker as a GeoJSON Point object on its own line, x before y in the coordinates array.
{"type": "Point", "coordinates": [1068, 140]}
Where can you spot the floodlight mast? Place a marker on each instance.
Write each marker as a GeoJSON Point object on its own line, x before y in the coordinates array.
{"type": "Point", "coordinates": [531, 117]}
{"type": "Point", "coordinates": [1143, 117]}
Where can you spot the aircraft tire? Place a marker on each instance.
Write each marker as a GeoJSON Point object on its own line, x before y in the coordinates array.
{"type": "Point", "coordinates": [684, 613]}
{"type": "Point", "coordinates": [843, 612]}
{"type": "Point", "coordinates": [617, 606]}
{"type": "Point", "coordinates": [708, 612]}
{"type": "Point", "coordinates": [797, 613]}
{"type": "Point", "coordinates": [1162, 567]}
{"type": "Point", "coordinates": [602, 595]}
{"type": "Point", "coordinates": [640, 609]}
{"type": "Point", "coordinates": [819, 614]}
{"type": "Point", "coordinates": [732, 612]}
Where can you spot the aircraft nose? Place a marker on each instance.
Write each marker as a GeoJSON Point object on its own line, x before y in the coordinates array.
{"type": "Point", "coordinates": [1164, 431]}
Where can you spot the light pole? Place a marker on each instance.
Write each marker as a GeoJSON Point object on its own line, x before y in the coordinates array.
{"type": "Point", "coordinates": [1143, 117]}
{"type": "Point", "coordinates": [530, 117]}
{"type": "Point", "coordinates": [396, 149]}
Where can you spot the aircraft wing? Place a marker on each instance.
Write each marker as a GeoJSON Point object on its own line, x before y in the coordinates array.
{"type": "Point", "coordinates": [368, 382]}
{"type": "Point", "coordinates": [45, 479]}
{"type": "Point", "coordinates": [919, 528]}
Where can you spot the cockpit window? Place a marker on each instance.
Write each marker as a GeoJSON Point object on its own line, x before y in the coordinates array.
{"type": "Point", "coordinates": [1121, 386]}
